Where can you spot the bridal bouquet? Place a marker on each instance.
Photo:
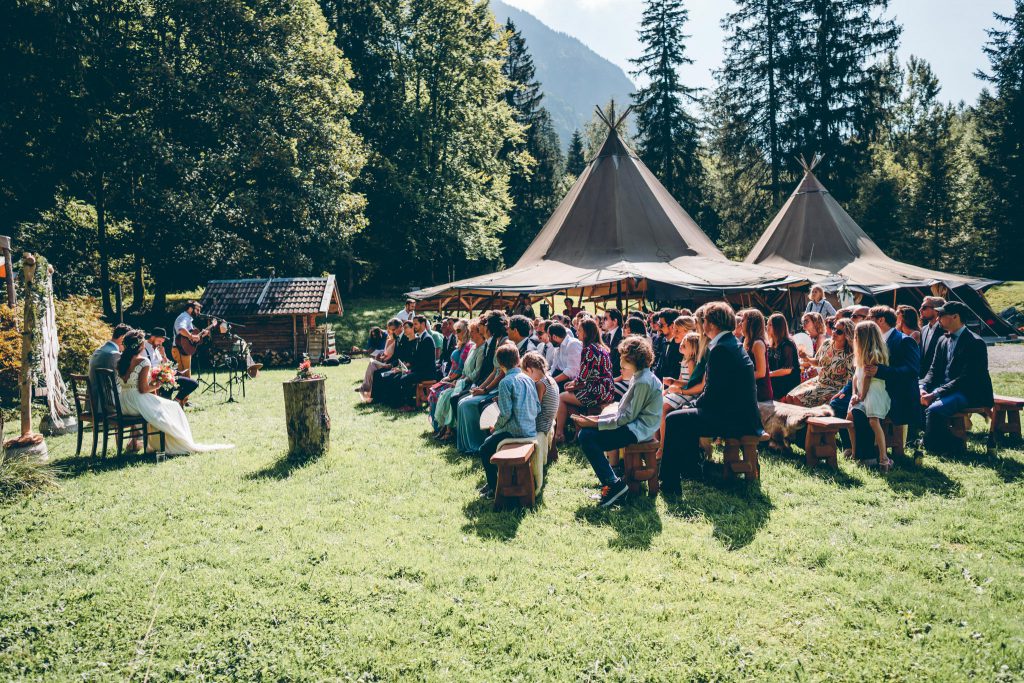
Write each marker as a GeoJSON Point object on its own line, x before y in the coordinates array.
{"type": "Point", "coordinates": [164, 373]}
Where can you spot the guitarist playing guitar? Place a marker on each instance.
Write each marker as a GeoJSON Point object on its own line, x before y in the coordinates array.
{"type": "Point", "coordinates": [186, 338]}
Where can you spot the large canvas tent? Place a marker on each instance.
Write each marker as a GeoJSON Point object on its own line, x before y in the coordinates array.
{"type": "Point", "coordinates": [814, 237]}
{"type": "Point", "coordinates": [618, 233]}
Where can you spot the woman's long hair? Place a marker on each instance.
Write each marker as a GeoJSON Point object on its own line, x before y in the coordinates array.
{"type": "Point", "coordinates": [779, 327]}
{"type": "Point", "coordinates": [591, 332]}
{"type": "Point", "coordinates": [462, 326]}
{"type": "Point", "coordinates": [910, 319]}
{"type": "Point", "coordinates": [753, 327]}
{"type": "Point", "coordinates": [132, 347]}
{"type": "Point", "coordinates": [869, 348]}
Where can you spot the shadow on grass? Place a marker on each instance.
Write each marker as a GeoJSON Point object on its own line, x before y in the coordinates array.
{"type": "Point", "coordinates": [1009, 469]}
{"type": "Point", "coordinates": [76, 466]}
{"type": "Point", "coordinates": [636, 522]}
{"type": "Point", "coordinates": [490, 524]}
{"type": "Point", "coordinates": [906, 477]}
{"type": "Point", "coordinates": [736, 509]}
{"type": "Point", "coordinates": [282, 468]}
{"type": "Point", "coordinates": [822, 471]}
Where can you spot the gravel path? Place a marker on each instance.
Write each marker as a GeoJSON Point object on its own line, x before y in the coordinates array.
{"type": "Point", "coordinates": [1006, 358]}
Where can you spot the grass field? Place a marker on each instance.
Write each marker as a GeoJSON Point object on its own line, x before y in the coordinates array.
{"type": "Point", "coordinates": [378, 562]}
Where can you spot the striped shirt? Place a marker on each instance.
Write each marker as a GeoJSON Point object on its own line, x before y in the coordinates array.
{"type": "Point", "coordinates": [548, 405]}
{"type": "Point", "coordinates": [518, 405]}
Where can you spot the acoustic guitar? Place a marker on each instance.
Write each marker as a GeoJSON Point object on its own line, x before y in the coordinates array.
{"type": "Point", "coordinates": [186, 346]}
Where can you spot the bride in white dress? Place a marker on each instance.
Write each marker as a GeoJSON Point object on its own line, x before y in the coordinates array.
{"type": "Point", "coordinates": [136, 387]}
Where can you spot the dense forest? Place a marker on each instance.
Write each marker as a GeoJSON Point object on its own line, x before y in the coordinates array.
{"type": "Point", "coordinates": [160, 143]}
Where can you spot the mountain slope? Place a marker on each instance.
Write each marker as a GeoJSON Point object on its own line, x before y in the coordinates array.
{"type": "Point", "coordinates": [573, 77]}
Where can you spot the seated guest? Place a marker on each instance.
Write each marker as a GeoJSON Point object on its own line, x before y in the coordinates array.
{"type": "Point", "coordinates": [611, 335]}
{"type": "Point", "coordinates": [783, 359]}
{"type": "Point", "coordinates": [518, 407]}
{"type": "Point", "coordinates": [727, 406]}
{"type": "Point", "coordinates": [957, 379]}
{"type": "Point", "coordinates": [738, 330]}
{"type": "Point", "coordinates": [438, 338]}
{"type": "Point", "coordinates": [545, 347]}
{"type": "Point", "coordinates": [907, 322]}
{"type": "Point", "coordinates": [468, 433]}
{"type": "Point", "coordinates": [570, 310]}
{"type": "Point", "coordinates": [523, 307]}
{"type": "Point", "coordinates": [672, 356]}
{"type": "Point", "coordinates": [568, 355]}
{"type": "Point", "coordinates": [756, 346]}
{"type": "Point", "coordinates": [593, 387]}
{"type": "Point", "coordinates": [931, 331]}
{"type": "Point", "coordinates": [443, 414]}
{"type": "Point", "coordinates": [815, 328]}
{"type": "Point", "coordinates": [899, 374]}
{"type": "Point", "coordinates": [536, 368]}
{"type": "Point", "coordinates": [383, 360]}
{"type": "Point", "coordinates": [375, 344]}
{"type": "Point", "coordinates": [635, 421]}
{"type": "Point", "coordinates": [397, 389]}
{"type": "Point", "coordinates": [449, 342]}
{"type": "Point", "coordinates": [818, 303]}
{"type": "Point", "coordinates": [405, 315]}
{"type": "Point", "coordinates": [154, 351]}
{"type": "Point", "coordinates": [834, 365]}
{"type": "Point", "coordinates": [520, 333]}
{"type": "Point", "coordinates": [859, 313]}
{"type": "Point", "coordinates": [105, 358]}
{"type": "Point", "coordinates": [667, 358]}
{"type": "Point", "coordinates": [678, 393]}
{"type": "Point", "coordinates": [635, 327]}
{"type": "Point", "coordinates": [456, 362]}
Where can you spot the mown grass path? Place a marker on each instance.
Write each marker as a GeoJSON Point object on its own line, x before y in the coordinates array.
{"type": "Point", "coordinates": [378, 562]}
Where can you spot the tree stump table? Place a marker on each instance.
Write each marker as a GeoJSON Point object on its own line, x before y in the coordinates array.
{"type": "Point", "coordinates": [309, 424]}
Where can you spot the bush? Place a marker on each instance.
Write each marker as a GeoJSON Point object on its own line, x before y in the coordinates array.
{"type": "Point", "coordinates": [10, 355]}
{"type": "Point", "coordinates": [81, 330]}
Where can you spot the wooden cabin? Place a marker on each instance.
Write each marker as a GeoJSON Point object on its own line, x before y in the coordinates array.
{"type": "Point", "coordinates": [273, 314]}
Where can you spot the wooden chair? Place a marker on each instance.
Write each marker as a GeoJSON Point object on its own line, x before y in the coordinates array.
{"type": "Point", "coordinates": [423, 392]}
{"type": "Point", "coordinates": [641, 464]}
{"type": "Point", "coordinates": [1006, 417]}
{"type": "Point", "coordinates": [741, 456]}
{"type": "Point", "coordinates": [115, 421]}
{"type": "Point", "coordinates": [85, 410]}
{"type": "Point", "coordinates": [820, 444]}
{"type": "Point", "coordinates": [515, 475]}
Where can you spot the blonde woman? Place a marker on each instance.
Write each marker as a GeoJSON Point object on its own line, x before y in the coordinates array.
{"type": "Point", "coordinates": [869, 393]}
{"type": "Point", "coordinates": [819, 304]}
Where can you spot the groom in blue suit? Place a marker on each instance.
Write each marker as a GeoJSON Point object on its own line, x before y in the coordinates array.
{"type": "Point", "coordinates": [900, 377]}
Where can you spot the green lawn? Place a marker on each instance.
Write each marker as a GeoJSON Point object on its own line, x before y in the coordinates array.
{"type": "Point", "coordinates": [1005, 295]}
{"type": "Point", "coordinates": [378, 562]}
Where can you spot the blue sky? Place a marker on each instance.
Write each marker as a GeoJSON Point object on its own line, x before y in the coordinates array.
{"type": "Point", "coordinates": [947, 33]}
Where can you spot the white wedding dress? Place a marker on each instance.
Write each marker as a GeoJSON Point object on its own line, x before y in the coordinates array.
{"type": "Point", "coordinates": [163, 414]}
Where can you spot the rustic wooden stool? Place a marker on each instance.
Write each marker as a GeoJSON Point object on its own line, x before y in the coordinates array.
{"type": "Point", "coordinates": [1006, 416]}
{"type": "Point", "coordinates": [641, 463]}
{"type": "Point", "coordinates": [820, 443]}
{"type": "Point", "coordinates": [423, 391]}
{"type": "Point", "coordinates": [741, 456]}
{"type": "Point", "coordinates": [960, 426]}
{"type": "Point", "coordinates": [515, 475]}
{"type": "Point", "coordinates": [895, 436]}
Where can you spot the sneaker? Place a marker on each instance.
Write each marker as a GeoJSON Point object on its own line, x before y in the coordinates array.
{"type": "Point", "coordinates": [483, 489]}
{"type": "Point", "coordinates": [487, 493]}
{"type": "Point", "coordinates": [610, 494]}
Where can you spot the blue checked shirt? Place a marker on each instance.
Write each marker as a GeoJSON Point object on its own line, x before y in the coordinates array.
{"type": "Point", "coordinates": [518, 405]}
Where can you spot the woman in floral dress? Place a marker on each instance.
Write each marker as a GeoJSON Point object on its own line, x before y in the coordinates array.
{"type": "Point", "coordinates": [834, 361]}
{"type": "Point", "coordinates": [462, 350]}
{"type": "Point", "coordinates": [594, 386]}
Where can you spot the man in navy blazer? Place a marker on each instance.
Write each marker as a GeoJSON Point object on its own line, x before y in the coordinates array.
{"type": "Point", "coordinates": [958, 377]}
{"type": "Point", "coordinates": [726, 407]}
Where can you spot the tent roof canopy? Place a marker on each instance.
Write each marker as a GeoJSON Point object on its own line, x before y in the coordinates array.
{"type": "Point", "coordinates": [618, 224]}
{"type": "Point", "coordinates": [812, 235]}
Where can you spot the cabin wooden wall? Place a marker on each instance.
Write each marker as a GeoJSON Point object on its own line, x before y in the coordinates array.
{"type": "Point", "coordinates": [271, 333]}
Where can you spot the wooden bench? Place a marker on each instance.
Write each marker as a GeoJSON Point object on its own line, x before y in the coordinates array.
{"type": "Point", "coordinates": [641, 463]}
{"type": "Point", "coordinates": [1006, 417]}
{"type": "Point", "coordinates": [423, 392]}
{"type": "Point", "coordinates": [960, 425]}
{"type": "Point", "coordinates": [515, 475]}
{"type": "Point", "coordinates": [820, 444]}
{"type": "Point", "coordinates": [895, 437]}
{"type": "Point", "coordinates": [741, 456]}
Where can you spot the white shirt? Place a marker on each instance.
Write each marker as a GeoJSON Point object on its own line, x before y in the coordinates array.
{"type": "Point", "coordinates": [155, 354]}
{"type": "Point", "coordinates": [404, 315]}
{"type": "Point", "coordinates": [183, 323]}
{"type": "Point", "coordinates": [886, 334]}
{"type": "Point", "coordinates": [569, 356]}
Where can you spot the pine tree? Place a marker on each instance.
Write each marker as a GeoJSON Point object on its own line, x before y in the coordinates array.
{"type": "Point", "coordinates": [836, 43]}
{"type": "Point", "coordinates": [667, 133]}
{"type": "Point", "coordinates": [575, 161]}
{"type": "Point", "coordinates": [1001, 130]}
{"type": "Point", "coordinates": [537, 160]}
{"type": "Point", "coordinates": [755, 80]}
